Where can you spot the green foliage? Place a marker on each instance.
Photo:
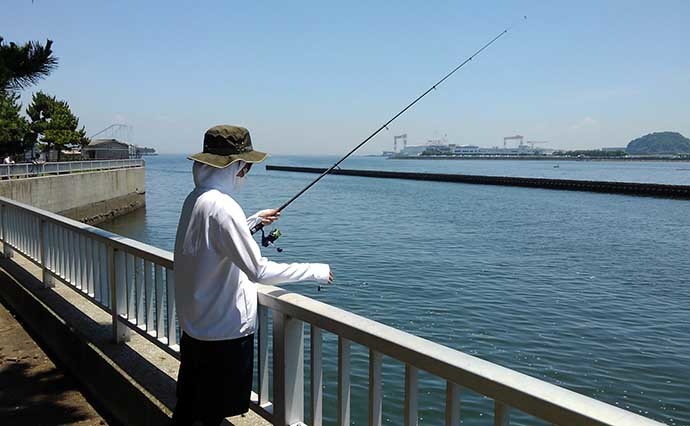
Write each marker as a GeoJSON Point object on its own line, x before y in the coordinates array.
{"type": "Point", "coordinates": [14, 129]}
{"type": "Point", "coordinates": [25, 65]}
{"type": "Point", "coordinates": [660, 143]}
{"type": "Point", "coordinates": [53, 124]}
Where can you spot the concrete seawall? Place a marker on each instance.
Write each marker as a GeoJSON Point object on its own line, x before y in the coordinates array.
{"type": "Point", "coordinates": [89, 197]}
{"type": "Point", "coordinates": [628, 188]}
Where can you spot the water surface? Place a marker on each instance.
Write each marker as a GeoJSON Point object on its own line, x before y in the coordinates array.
{"type": "Point", "coordinates": [588, 291]}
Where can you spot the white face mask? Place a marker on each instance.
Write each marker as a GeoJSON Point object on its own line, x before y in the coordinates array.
{"type": "Point", "coordinates": [225, 179]}
{"type": "Point", "coordinates": [239, 182]}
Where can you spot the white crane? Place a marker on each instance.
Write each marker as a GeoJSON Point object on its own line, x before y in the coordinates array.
{"type": "Point", "coordinates": [532, 143]}
{"type": "Point", "coordinates": [508, 138]}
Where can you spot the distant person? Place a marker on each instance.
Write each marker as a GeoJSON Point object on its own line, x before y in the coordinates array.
{"type": "Point", "coordinates": [8, 160]}
{"type": "Point", "coordinates": [217, 263]}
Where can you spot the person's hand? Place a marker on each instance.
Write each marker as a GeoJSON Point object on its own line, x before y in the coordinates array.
{"type": "Point", "coordinates": [268, 216]}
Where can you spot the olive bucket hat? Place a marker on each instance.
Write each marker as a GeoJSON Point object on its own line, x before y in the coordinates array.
{"type": "Point", "coordinates": [223, 145]}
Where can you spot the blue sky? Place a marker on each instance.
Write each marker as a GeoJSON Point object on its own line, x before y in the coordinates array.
{"type": "Point", "coordinates": [318, 77]}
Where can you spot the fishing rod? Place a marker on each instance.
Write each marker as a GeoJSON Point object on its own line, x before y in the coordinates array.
{"type": "Point", "coordinates": [269, 239]}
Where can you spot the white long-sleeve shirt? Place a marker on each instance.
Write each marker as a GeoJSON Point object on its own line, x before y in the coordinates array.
{"type": "Point", "coordinates": [217, 261]}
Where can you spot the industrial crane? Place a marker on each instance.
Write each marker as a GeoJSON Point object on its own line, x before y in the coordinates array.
{"type": "Point", "coordinates": [508, 138]}
{"type": "Point", "coordinates": [403, 137]}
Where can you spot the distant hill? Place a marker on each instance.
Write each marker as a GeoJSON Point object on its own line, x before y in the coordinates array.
{"type": "Point", "coordinates": [660, 143]}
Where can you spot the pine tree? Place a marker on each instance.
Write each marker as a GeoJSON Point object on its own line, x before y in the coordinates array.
{"type": "Point", "coordinates": [23, 66]}
{"type": "Point", "coordinates": [14, 129]}
{"type": "Point", "coordinates": [53, 124]}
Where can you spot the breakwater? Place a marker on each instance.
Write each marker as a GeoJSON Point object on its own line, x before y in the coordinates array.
{"type": "Point", "coordinates": [628, 188]}
{"type": "Point", "coordinates": [647, 158]}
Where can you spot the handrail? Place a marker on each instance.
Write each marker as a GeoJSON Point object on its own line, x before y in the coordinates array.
{"type": "Point", "coordinates": [537, 397]}
{"type": "Point", "coordinates": [51, 168]}
{"type": "Point", "coordinates": [135, 282]}
{"type": "Point", "coordinates": [146, 251]}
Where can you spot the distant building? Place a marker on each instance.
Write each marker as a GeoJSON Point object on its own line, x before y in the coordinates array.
{"type": "Point", "coordinates": [106, 149]}
{"type": "Point", "coordinates": [466, 149]}
{"type": "Point", "coordinates": [613, 149]}
{"type": "Point", "coordinates": [142, 150]}
{"type": "Point", "coordinates": [413, 150]}
{"type": "Point", "coordinates": [438, 149]}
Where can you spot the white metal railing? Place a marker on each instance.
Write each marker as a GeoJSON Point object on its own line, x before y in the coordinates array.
{"type": "Point", "coordinates": [42, 169]}
{"type": "Point", "coordinates": [135, 283]}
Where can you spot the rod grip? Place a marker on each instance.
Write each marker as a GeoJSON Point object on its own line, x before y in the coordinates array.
{"type": "Point", "coordinates": [258, 227]}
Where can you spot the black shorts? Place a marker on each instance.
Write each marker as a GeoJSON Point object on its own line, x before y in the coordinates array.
{"type": "Point", "coordinates": [215, 378]}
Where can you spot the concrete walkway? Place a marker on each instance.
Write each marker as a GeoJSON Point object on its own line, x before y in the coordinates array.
{"type": "Point", "coordinates": [33, 391]}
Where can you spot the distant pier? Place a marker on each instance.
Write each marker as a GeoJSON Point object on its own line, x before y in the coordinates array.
{"type": "Point", "coordinates": [628, 188]}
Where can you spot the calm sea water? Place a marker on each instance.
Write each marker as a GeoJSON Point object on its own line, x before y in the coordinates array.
{"type": "Point", "coordinates": [588, 291]}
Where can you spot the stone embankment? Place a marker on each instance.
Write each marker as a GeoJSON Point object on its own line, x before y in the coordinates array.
{"type": "Point", "coordinates": [628, 188]}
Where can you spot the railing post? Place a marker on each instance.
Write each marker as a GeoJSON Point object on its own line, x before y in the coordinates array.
{"type": "Point", "coordinates": [48, 281]}
{"type": "Point", "coordinates": [501, 414]}
{"type": "Point", "coordinates": [72, 239]}
{"type": "Point", "coordinates": [160, 322]}
{"type": "Point", "coordinates": [343, 381]}
{"type": "Point", "coordinates": [62, 253]}
{"type": "Point", "coordinates": [129, 286]}
{"type": "Point", "coordinates": [452, 404]}
{"type": "Point", "coordinates": [149, 290]}
{"type": "Point", "coordinates": [6, 250]}
{"type": "Point", "coordinates": [375, 395]}
{"type": "Point", "coordinates": [103, 270]}
{"type": "Point", "coordinates": [411, 391]}
{"type": "Point", "coordinates": [81, 255]}
{"type": "Point", "coordinates": [120, 332]}
{"type": "Point", "coordinates": [288, 370]}
{"type": "Point", "coordinates": [316, 364]}
{"type": "Point", "coordinates": [91, 272]}
{"type": "Point", "coordinates": [170, 306]}
{"type": "Point", "coordinates": [263, 355]}
{"type": "Point", "coordinates": [140, 302]}
{"type": "Point", "coordinates": [2, 222]}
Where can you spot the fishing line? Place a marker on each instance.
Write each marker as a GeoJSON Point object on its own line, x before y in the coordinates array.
{"type": "Point", "coordinates": [260, 226]}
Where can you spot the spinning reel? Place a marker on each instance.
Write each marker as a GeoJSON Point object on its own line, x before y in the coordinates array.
{"type": "Point", "coordinates": [269, 240]}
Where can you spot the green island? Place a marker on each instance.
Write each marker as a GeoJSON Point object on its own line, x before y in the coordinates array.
{"type": "Point", "coordinates": [662, 143]}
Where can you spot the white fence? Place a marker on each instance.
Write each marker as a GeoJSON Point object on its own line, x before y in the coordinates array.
{"type": "Point", "coordinates": [42, 169]}
{"type": "Point", "coordinates": [135, 282]}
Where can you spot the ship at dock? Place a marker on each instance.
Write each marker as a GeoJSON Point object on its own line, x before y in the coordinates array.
{"type": "Point", "coordinates": [441, 148]}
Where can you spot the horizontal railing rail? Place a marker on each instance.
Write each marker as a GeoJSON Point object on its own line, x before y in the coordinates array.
{"type": "Point", "coordinates": [135, 283]}
{"type": "Point", "coordinates": [63, 167]}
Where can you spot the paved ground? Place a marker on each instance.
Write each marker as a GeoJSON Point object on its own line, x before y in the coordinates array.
{"type": "Point", "coordinates": [33, 391]}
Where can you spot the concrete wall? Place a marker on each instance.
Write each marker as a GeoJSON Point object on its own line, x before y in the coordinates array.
{"type": "Point", "coordinates": [89, 197]}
